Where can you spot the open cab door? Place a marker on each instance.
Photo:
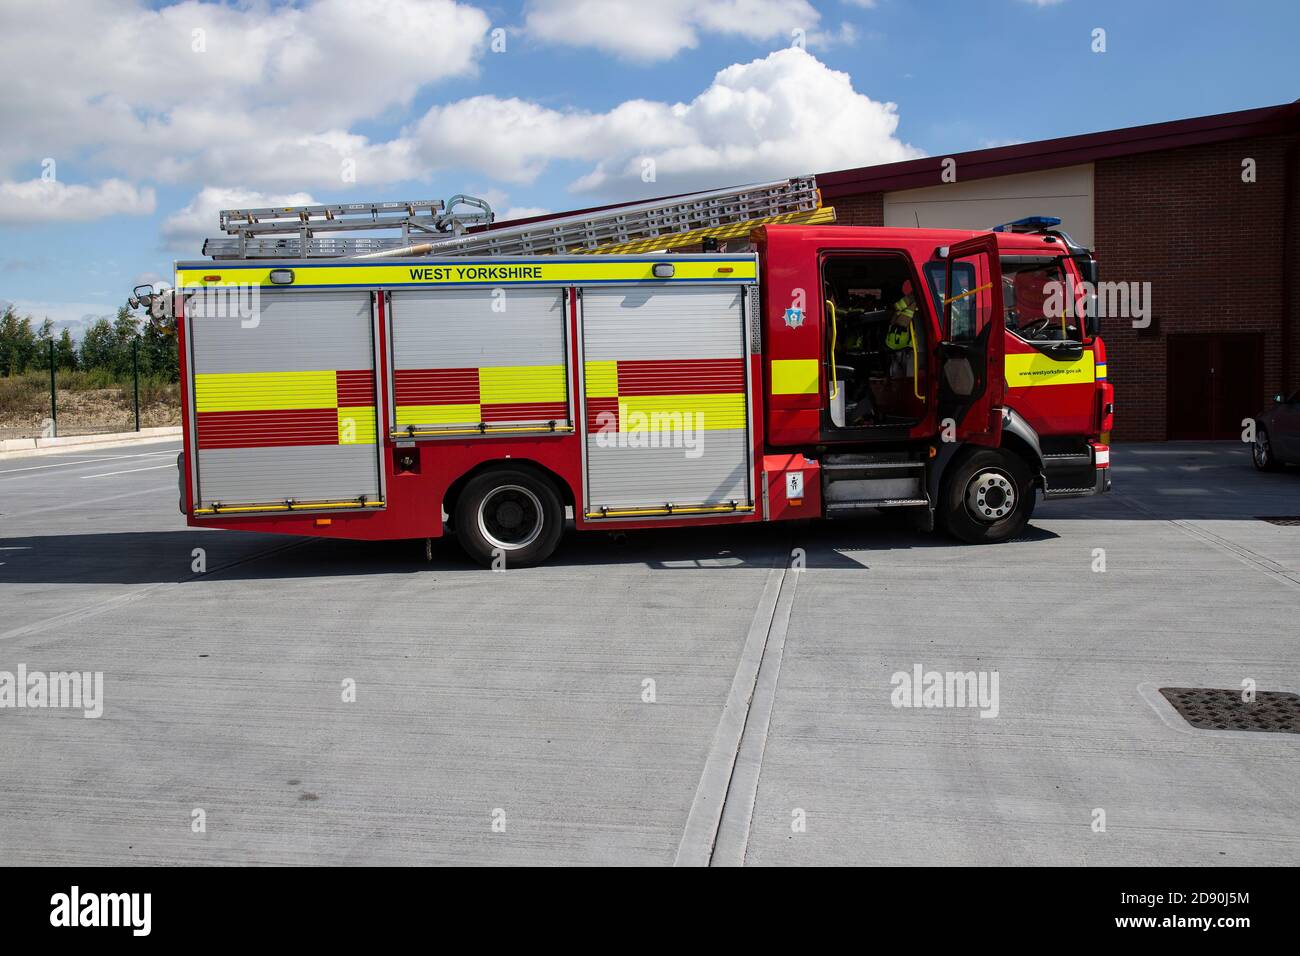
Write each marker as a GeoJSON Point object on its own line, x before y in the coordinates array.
{"type": "Point", "coordinates": [972, 381]}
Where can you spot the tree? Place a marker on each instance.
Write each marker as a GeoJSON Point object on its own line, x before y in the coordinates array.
{"type": "Point", "coordinates": [41, 354]}
{"type": "Point", "coordinates": [17, 343]}
{"type": "Point", "coordinates": [107, 344]}
{"type": "Point", "coordinates": [65, 352]}
{"type": "Point", "coordinates": [126, 330]}
{"type": "Point", "coordinates": [158, 353]}
{"type": "Point", "coordinates": [97, 346]}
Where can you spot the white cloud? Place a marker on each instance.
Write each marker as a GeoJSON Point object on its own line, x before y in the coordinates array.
{"type": "Point", "coordinates": [522, 212]}
{"type": "Point", "coordinates": [499, 200]}
{"type": "Point", "coordinates": [846, 35]}
{"type": "Point", "coordinates": [647, 31]}
{"type": "Point", "coordinates": [345, 59]}
{"type": "Point", "coordinates": [42, 200]}
{"type": "Point", "coordinates": [330, 159]}
{"type": "Point", "coordinates": [149, 278]}
{"type": "Point", "coordinates": [1042, 3]}
{"type": "Point", "coordinates": [783, 115]}
{"type": "Point", "coordinates": [514, 140]}
{"type": "Point", "coordinates": [153, 92]}
{"type": "Point", "coordinates": [184, 230]}
{"type": "Point", "coordinates": [494, 197]}
{"type": "Point", "coordinates": [270, 103]}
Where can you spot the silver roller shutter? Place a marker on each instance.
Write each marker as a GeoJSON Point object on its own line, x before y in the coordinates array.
{"type": "Point", "coordinates": [462, 358]}
{"type": "Point", "coordinates": [284, 400]}
{"type": "Point", "coordinates": [658, 364]}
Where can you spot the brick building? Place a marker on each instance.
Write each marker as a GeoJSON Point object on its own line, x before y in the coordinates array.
{"type": "Point", "coordinates": [1167, 204]}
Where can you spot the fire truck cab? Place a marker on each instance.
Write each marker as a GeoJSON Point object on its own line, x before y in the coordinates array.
{"type": "Point", "coordinates": [824, 371]}
{"type": "Point", "coordinates": [901, 393]}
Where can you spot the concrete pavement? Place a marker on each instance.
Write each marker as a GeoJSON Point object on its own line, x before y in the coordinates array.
{"type": "Point", "coordinates": [507, 718]}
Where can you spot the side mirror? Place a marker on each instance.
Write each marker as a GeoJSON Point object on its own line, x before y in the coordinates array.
{"type": "Point", "coordinates": [1091, 320]}
{"type": "Point", "coordinates": [1088, 272]}
{"type": "Point", "coordinates": [1088, 268]}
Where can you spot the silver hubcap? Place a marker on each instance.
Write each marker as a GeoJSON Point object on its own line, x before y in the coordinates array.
{"type": "Point", "coordinates": [510, 517]}
{"type": "Point", "coordinates": [990, 495]}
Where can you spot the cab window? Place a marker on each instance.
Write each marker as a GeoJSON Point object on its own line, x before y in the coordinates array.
{"type": "Point", "coordinates": [1034, 294]}
{"type": "Point", "coordinates": [963, 310]}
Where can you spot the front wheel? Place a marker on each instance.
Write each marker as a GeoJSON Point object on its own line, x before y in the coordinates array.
{"type": "Point", "coordinates": [1261, 452]}
{"type": "Point", "coordinates": [988, 497]}
{"type": "Point", "coordinates": [509, 518]}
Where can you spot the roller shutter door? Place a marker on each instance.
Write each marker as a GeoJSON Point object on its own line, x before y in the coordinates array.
{"type": "Point", "coordinates": [284, 401]}
{"type": "Point", "coordinates": [467, 360]}
{"type": "Point", "coordinates": [665, 397]}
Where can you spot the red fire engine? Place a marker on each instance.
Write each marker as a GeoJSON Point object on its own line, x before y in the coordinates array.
{"type": "Point", "coordinates": [489, 380]}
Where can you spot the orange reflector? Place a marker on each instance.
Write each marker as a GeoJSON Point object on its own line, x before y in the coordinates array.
{"type": "Point", "coordinates": [212, 278]}
{"type": "Point", "coordinates": [322, 522]}
{"type": "Point", "coordinates": [726, 269]}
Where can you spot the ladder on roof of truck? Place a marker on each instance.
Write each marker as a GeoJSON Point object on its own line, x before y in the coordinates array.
{"type": "Point", "coordinates": [428, 227]}
{"type": "Point", "coordinates": [256, 232]}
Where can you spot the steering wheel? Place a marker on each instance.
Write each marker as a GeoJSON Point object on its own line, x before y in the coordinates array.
{"type": "Point", "coordinates": [1037, 325]}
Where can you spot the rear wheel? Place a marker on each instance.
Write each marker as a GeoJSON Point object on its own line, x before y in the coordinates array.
{"type": "Point", "coordinates": [1261, 452]}
{"type": "Point", "coordinates": [987, 497]}
{"type": "Point", "coordinates": [509, 515]}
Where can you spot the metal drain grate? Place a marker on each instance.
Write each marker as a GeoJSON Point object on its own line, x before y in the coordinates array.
{"type": "Point", "coordinates": [1208, 708]}
{"type": "Point", "coordinates": [1286, 521]}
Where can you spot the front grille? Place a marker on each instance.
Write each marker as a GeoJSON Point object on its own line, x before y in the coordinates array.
{"type": "Point", "coordinates": [1208, 708]}
{"type": "Point", "coordinates": [1286, 521]}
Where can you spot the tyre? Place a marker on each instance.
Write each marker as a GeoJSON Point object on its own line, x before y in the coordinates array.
{"type": "Point", "coordinates": [509, 514]}
{"type": "Point", "coordinates": [987, 497]}
{"type": "Point", "coordinates": [1261, 452]}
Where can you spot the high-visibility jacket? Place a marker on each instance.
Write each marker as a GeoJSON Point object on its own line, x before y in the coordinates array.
{"type": "Point", "coordinates": [900, 337]}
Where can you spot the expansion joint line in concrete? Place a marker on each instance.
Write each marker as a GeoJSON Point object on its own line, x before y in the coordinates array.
{"type": "Point", "coordinates": [717, 826]}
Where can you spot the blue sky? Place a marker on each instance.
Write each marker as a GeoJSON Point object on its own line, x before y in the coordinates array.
{"type": "Point", "coordinates": [158, 114]}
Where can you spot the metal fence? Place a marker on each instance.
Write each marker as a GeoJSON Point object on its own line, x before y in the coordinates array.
{"type": "Point", "coordinates": [70, 405]}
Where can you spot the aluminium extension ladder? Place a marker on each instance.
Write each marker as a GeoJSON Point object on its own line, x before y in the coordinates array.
{"type": "Point", "coordinates": [432, 228]}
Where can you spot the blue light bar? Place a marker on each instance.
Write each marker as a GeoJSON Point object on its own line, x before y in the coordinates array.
{"type": "Point", "coordinates": [1029, 224]}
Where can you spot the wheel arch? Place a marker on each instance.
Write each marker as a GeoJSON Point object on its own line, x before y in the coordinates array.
{"type": "Point", "coordinates": [453, 492]}
{"type": "Point", "coordinates": [1018, 436]}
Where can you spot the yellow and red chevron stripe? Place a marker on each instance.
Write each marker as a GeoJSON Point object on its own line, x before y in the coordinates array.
{"type": "Point", "coordinates": [281, 409]}
{"type": "Point", "coordinates": [665, 395]}
{"type": "Point", "coordinates": [487, 395]}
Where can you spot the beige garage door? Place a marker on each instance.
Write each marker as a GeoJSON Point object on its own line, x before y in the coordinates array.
{"type": "Point", "coordinates": [983, 203]}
